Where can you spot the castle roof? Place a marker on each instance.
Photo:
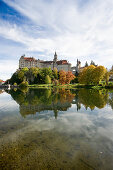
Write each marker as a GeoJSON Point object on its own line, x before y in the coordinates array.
{"type": "Point", "coordinates": [59, 62]}
{"type": "Point", "coordinates": [29, 58]}
{"type": "Point", "coordinates": [62, 62]}
{"type": "Point", "coordinates": [46, 62]}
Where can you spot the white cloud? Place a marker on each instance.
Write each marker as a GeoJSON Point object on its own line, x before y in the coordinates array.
{"type": "Point", "coordinates": [73, 29]}
{"type": "Point", "coordinates": [7, 68]}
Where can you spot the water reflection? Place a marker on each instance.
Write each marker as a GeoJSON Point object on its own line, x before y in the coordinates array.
{"type": "Point", "coordinates": [91, 98]}
{"type": "Point", "coordinates": [1, 91]}
{"type": "Point", "coordinates": [81, 138]}
{"type": "Point", "coordinates": [32, 101]}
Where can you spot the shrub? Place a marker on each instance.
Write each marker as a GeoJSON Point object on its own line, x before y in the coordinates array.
{"type": "Point", "coordinates": [15, 84]}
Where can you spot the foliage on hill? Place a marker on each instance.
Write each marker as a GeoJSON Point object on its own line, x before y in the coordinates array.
{"type": "Point", "coordinates": [40, 76]}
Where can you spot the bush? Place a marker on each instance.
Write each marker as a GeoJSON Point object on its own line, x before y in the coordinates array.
{"type": "Point", "coordinates": [15, 84]}
{"type": "Point", "coordinates": [24, 84]}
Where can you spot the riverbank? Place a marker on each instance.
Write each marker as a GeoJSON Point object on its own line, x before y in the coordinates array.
{"type": "Point", "coordinates": [66, 86]}
{"type": "Point", "coordinates": [70, 86]}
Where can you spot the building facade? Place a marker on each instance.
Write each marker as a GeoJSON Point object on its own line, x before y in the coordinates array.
{"type": "Point", "coordinates": [55, 63]}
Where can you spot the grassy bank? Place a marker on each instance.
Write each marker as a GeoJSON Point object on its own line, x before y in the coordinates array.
{"type": "Point", "coordinates": [70, 86]}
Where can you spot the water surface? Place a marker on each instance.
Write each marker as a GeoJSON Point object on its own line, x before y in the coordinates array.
{"type": "Point", "coordinates": [56, 129]}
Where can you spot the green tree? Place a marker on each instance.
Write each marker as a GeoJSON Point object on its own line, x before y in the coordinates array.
{"type": "Point", "coordinates": [24, 84]}
{"type": "Point", "coordinates": [86, 64]}
{"type": "Point", "coordinates": [21, 75]}
{"type": "Point", "coordinates": [25, 69]}
{"type": "Point", "coordinates": [32, 74]}
{"type": "Point", "coordinates": [44, 72]}
{"type": "Point", "coordinates": [92, 63]}
{"type": "Point", "coordinates": [47, 80]}
{"type": "Point", "coordinates": [55, 73]}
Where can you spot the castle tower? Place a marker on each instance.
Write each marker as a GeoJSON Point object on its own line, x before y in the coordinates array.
{"type": "Point", "coordinates": [78, 63]}
{"type": "Point", "coordinates": [55, 57]}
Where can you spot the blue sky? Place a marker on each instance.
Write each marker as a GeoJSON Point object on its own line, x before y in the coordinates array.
{"type": "Point", "coordinates": [80, 29]}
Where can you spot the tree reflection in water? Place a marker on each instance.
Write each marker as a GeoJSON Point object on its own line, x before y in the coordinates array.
{"type": "Point", "coordinates": [37, 100]}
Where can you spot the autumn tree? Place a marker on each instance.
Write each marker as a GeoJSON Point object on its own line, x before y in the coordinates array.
{"type": "Point", "coordinates": [81, 77]}
{"type": "Point", "coordinates": [62, 77]}
{"type": "Point", "coordinates": [85, 77]}
{"type": "Point", "coordinates": [69, 77]}
{"type": "Point", "coordinates": [92, 75]}
{"type": "Point", "coordinates": [98, 74]}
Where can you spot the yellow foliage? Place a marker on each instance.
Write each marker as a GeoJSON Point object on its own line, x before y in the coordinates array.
{"type": "Point", "coordinates": [92, 74]}
{"type": "Point", "coordinates": [98, 74]}
{"type": "Point", "coordinates": [85, 77]}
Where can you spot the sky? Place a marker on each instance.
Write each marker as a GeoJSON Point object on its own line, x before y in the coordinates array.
{"type": "Point", "coordinates": [80, 29]}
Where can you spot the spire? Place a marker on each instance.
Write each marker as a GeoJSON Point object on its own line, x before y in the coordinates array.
{"type": "Point", "coordinates": [55, 54]}
{"type": "Point", "coordinates": [55, 57]}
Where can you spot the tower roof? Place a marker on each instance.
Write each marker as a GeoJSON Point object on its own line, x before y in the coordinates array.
{"type": "Point", "coordinates": [55, 53]}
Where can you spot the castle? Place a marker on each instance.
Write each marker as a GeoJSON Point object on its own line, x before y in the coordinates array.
{"type": "Point", "coordinates": [55, 63]}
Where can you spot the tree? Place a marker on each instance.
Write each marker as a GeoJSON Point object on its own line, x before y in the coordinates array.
{"type": "Point", "coordinates": [85, 77]}
{"type": "Point", "coordinates": [111, 70]}
{"type": "Point", "coordinates": [62, 78]}
{"type": "Point", "coordinates": [98, 74]}
{"type": "Point", "coordinates": [25, 69]}
{"type": "Point", "coordinates": [47, 80]}
{"type": "Point", "coordinates": [55, 73]}
{"type": "Point", "coordinates": [92, 75]}
{"type": "Point", "coordinates": [31, 74]}
{"type": "Point", "coordinates": [106, 77]}
{"type": "Point", "coordinates": [34, 71]}
{"type": "Point", "coordinates": [24, 84]}
{"type": "Point", "coordinates": [86, 64]}
{"type": "Point", "coordinates": [21, 75]}
{"type": "Point", "coordinates": [92, 63]}
{"type": "Point", "coordinates": [69, 77]}
{"type": "Point", "coordinates": [44, 72]}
